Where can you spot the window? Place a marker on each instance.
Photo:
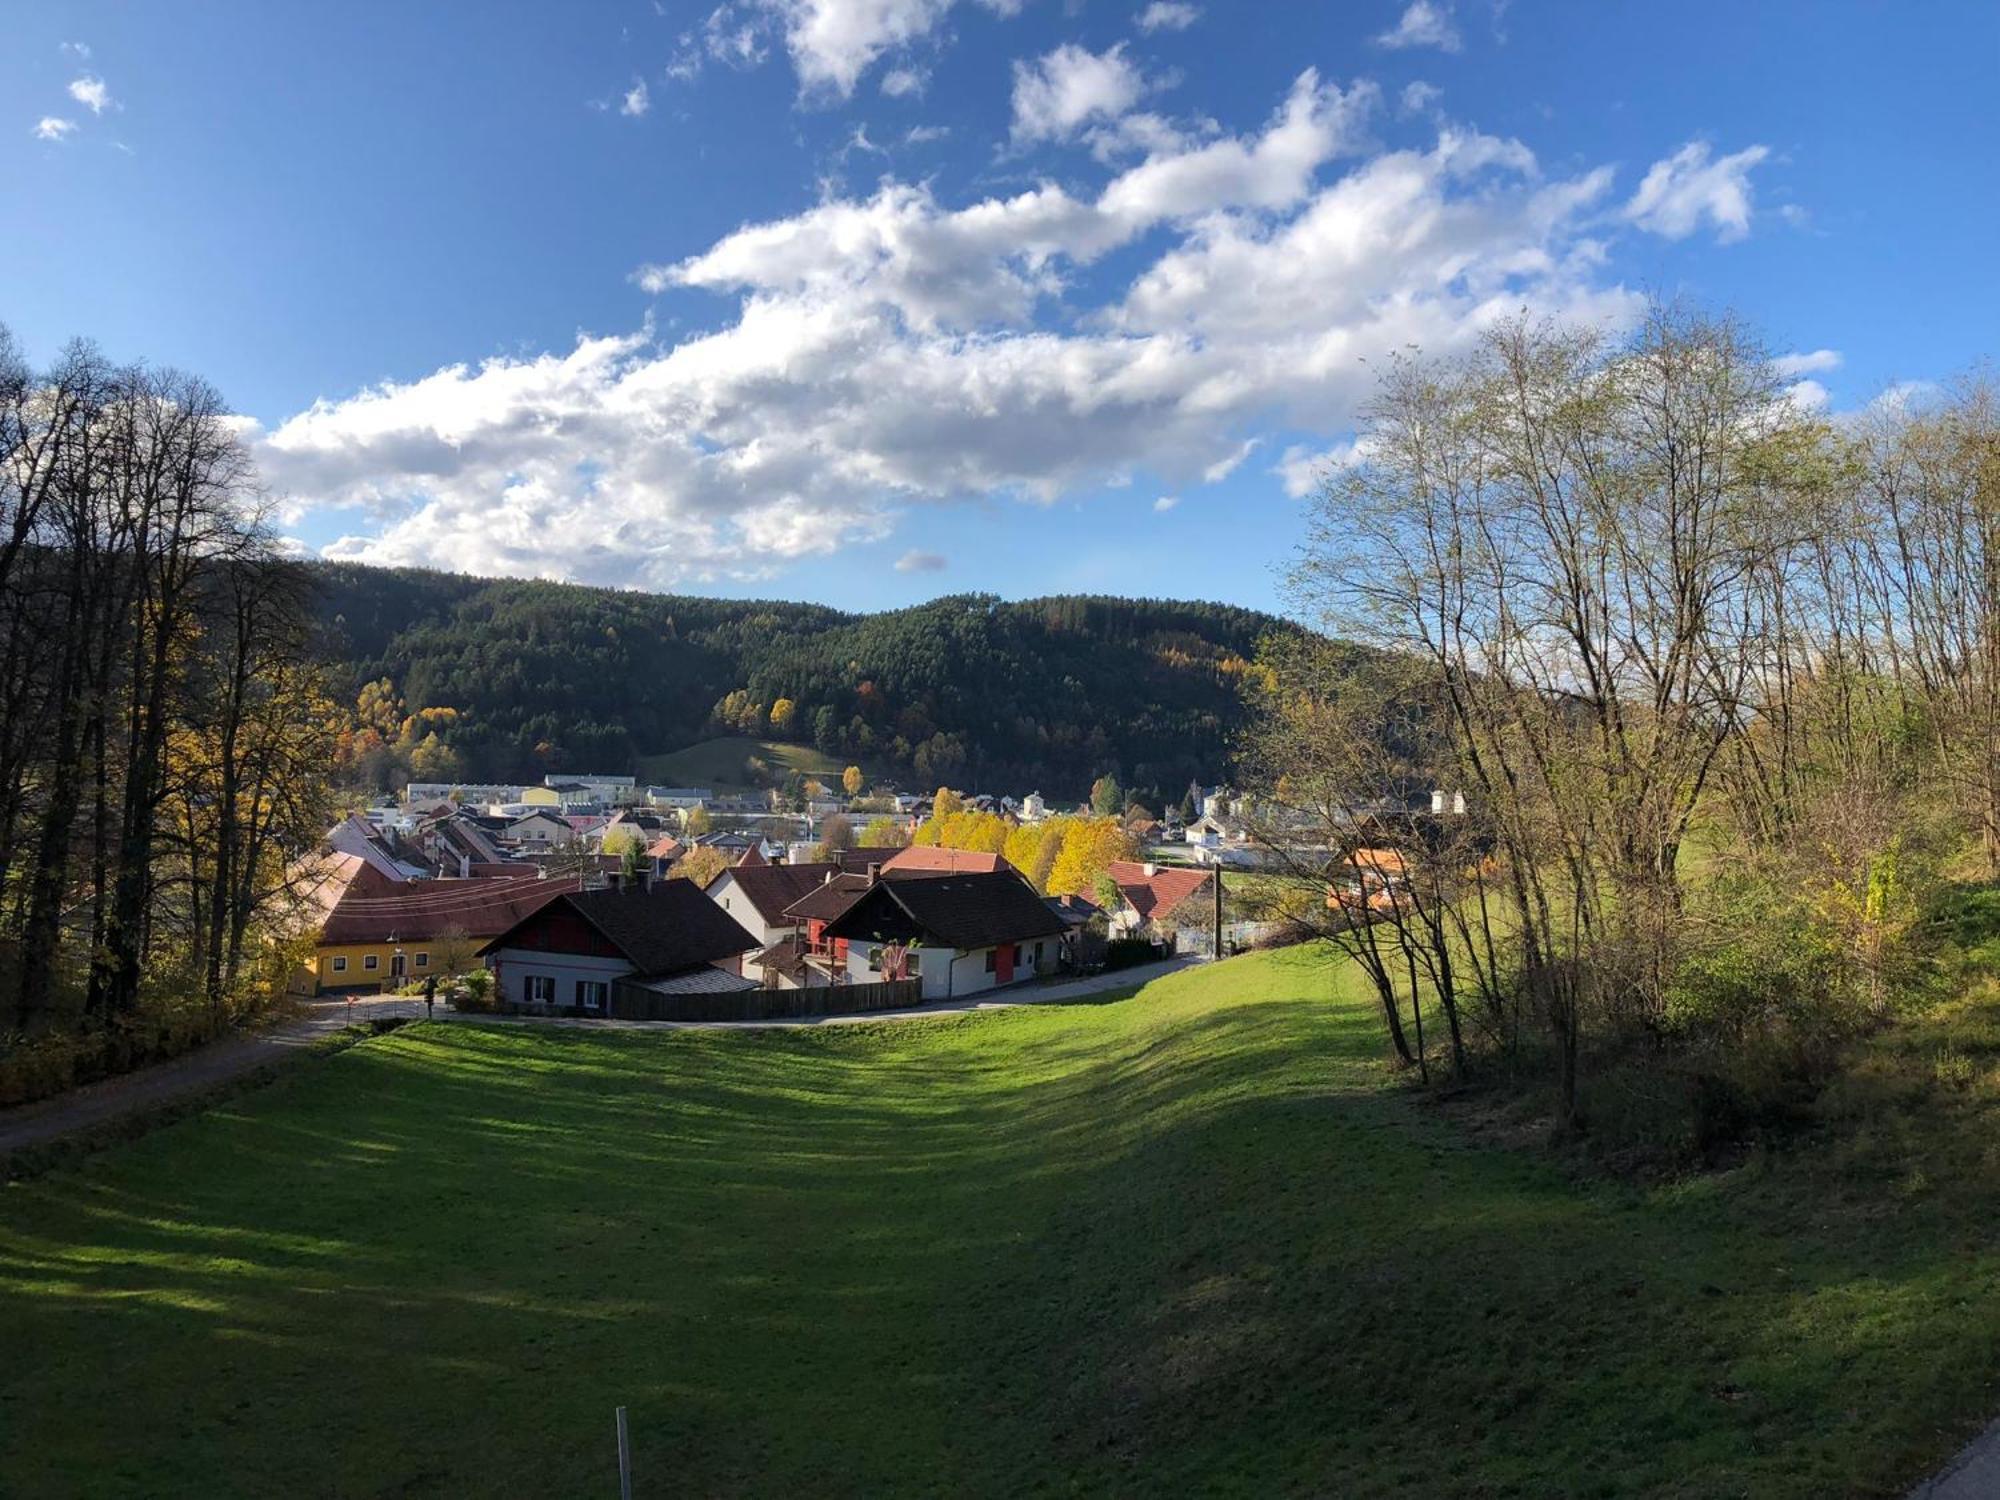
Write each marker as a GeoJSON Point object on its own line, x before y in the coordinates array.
{"type": "Point", "coordinates": [541, 989]}
{"type": "Point", "coordinates": [992, 960]}
{"type": "Point", "coordinates": [340, 963]}
{"type": "Point", "coordinates": [1038, 955]}
{"type": "Point", "coordinates": [592, 993]}
{"type": "Point", "coordinates": [371, 961]}
{"type": "Point", "coordinates": [423, 960]}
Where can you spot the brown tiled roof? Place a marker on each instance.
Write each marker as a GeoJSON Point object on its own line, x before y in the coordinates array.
{"type": "Point", "coordinates": [956, 861]}
{"type": "Point", "coordinates": [974, 910]}
{"type": "Point", "coordinates": [856, 861]}
{"type": "Point", "coordinates": [1154, 897]}
{"type": "Point", "coordinates": [661, 929]}
{"type": "Point", "coordinates": [772, 888]}
{"type": "Point", "coordinates": [375, 909]}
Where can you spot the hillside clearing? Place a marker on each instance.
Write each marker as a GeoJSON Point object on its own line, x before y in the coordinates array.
{"type": "Point", "coordinates": [1192, 1241]}
{"type": "Point", "coordinates": [721, 764]}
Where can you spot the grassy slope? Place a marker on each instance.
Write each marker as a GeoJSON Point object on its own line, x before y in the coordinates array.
{"type": "Point", "coordinates": [1190, 1242]}
{"type": "Point", "coordinates": [718, 764]}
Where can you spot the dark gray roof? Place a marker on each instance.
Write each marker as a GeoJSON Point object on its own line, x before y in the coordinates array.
{"type": "Point", "coordinates": [670, 926]}
{"type": "Point", "coordinates": [828, 898]}
{"type": "Point", "coordinates": [963, 911]}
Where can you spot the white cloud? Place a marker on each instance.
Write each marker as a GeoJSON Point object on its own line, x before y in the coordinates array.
{"type": "Point", "coordinates": [1168, 15]}
{"type": "Point", "coordinates": [80, 50]}
{"type": "Point", "coordinates": [1686, 190]}
{"type": "Point", "coordinates": [50, 128]}
{"type": "Point", "coordinates": [1166, 503]}
{"type": "Point", "coordinates": [636, 101]}
{"type": "Point", "coordinates": [831, 43]}
{"type": "Point", "coordinates": [1808, 396]}
{"type": "Point", "coordinates": [922, 562]}
{"type": "Point", "coordinates": [1816, 363]}
{"type": "Point", "coordinates": [904, 83]}
{"type": "Point", "coordinates": [1061, 92]}
{"type": "Point", "coordinates": [1222, 468]}
{"type": "Point", "coordinates": [920, 135]}
{"type": "Point", "coordinates": [1423, 24]}
{"type": "Point", "coordinates": [893, 352]}
{"type": "Point", "coordinates": [91, 93]}
{"type": "Point", "coordinates": [1418, 97]}
{"type": "Point", "coordinates": [1302, 471]}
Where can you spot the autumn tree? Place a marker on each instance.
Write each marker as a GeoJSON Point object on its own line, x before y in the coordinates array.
{"type": "Point", "coordinates": [701, 865]}
{"type": "Point", "coordinates": [851, 781]}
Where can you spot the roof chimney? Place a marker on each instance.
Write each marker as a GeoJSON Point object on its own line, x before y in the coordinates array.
{"type": "Point", "coordinates": [1437, 802]}
{"type": "Point", "coordinates": [1150, 868]}
{"type": "Point", "coordinates": [874, 874]}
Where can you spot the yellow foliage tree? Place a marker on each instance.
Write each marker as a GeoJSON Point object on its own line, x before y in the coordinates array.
{"type": "Point", "coordinates": [784, 714]}
{"type": "Point", "coordinates": [1089, 845]}
{"type": "Point", "coordinates": [851, 781]}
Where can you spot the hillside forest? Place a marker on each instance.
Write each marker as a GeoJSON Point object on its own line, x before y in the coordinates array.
{"type": "Point", "coordinates": [501, 680]}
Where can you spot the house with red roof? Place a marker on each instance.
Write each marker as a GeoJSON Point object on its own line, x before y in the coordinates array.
{"type": "Point", "coordinates": [1156, 900]}
{"type": "Point", "coordinates": [931, 858]}
{"type": "Point", "coordinates": [379, 933]}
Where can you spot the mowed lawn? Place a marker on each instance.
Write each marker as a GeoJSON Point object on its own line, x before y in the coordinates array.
{"type": "Point", "coordinates": [1192, 1242]}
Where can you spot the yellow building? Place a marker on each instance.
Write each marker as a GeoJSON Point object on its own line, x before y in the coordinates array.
{"type": "Point", "coordinates": [382, 934]}
{"type": "Point", "coordinates": [541, 796]}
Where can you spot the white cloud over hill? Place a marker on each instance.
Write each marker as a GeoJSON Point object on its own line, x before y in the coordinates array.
{"type": "Point", "coordinates": [895, 350]}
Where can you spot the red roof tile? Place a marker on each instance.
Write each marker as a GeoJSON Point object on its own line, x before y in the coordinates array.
{"type": "Point", "coordinates": [1155, 896]}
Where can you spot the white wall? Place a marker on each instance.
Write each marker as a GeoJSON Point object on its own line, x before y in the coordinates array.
{"type": "Point", "coordinates": [725, 893]}
{"type": "Point", "coordinates": [516, 964]}
{"type": "Point", "coordinates": [949, 974]}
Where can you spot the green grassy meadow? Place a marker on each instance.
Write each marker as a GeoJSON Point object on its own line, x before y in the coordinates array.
{"type": "Point", "coordinates": [719, 764]}
{"type": "Point", "coordinates": [1195, 1241]}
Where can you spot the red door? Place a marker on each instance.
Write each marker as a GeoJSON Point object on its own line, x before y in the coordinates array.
{"type": "Point", "coordinates": [1003, 964]}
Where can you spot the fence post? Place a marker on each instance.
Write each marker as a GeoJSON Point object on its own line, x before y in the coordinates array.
{"type": "Point", "coordinates": [624, 1459]}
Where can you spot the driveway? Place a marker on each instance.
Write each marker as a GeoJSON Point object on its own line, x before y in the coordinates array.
{"type": "Point", "coordinates": [1054, 992]}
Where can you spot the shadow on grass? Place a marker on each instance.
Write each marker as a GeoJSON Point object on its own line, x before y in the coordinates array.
{"type": "Point", "coordinates": [1182, 1243]}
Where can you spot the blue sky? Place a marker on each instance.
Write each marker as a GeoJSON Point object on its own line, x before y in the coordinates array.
{"type": "Point", "coordinates": [869, 300]}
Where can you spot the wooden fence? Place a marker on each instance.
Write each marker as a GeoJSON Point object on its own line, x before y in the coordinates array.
{"type": "Point", "coordinates": [634, 1002]}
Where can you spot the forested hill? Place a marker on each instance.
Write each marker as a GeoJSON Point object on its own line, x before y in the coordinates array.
{"type": "Point", "coordinates": [1044, 693]}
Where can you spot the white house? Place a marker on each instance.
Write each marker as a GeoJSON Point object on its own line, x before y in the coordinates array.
{"type": "Point", "coordinates": [570, 955]}
{"type": "Point", "coordinates": [960, 934]}
{"type": "Point", "coordinates": [542, 829]}
{"type": "Point", "coordinates": [756, 896]}
{"type": "Point", "coordinates": [1033, 808]}
{"type": "Point", "coordinates": [423, 792]}
{"type": "Point", "coordinates": [681, 798]}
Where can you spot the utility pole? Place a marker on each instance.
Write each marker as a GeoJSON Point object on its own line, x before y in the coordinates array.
{"type": "Point", "coordinates": [1218, 908]}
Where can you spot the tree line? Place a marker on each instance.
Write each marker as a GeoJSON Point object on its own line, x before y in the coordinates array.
{"type": "Point", "coordinates": [165, 728]}
{"type": "Point", "coordinates": [1716, 675]}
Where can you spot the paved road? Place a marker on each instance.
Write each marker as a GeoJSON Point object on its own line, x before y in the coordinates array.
{"type": "Point", "coordinates": [1973, 1475]}
{"type": "Point", "coordinates": [163, 1083]}
{"type": "Point", "coordinates": [1033, 994]}
{"type": "Point", "coordinates": [224, 1061]}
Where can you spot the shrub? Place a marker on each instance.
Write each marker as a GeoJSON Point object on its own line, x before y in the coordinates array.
{"type": "Point", "coordinates": [475, 992]}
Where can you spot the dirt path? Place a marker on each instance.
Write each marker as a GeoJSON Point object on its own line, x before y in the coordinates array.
{"type": "Point", "coordinates": [194, 1073]}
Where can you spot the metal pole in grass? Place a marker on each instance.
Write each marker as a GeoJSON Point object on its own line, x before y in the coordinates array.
{"type": "Point", "coordinates": [624, 1459]}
